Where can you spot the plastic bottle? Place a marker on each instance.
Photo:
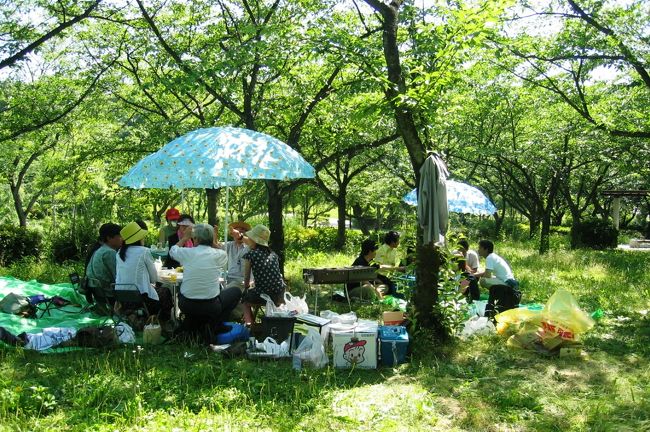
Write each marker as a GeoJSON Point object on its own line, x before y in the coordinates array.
{"type": "Point", "coordinates": [297, 362]}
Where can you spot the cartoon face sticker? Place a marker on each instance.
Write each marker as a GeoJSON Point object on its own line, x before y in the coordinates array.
{"type": "Point", "coordinates": [354, 350]}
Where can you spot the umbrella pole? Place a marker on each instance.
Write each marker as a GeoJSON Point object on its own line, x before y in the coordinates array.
{"type": "Point", "coordinates": [225, 217]}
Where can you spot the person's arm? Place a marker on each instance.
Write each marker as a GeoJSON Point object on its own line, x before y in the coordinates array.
{"type": "Point", "coordinates": [485, 273]}
{"type": "Point", "coordinates": [187, 235]}
{"type": "Point", "coordinates": [151, 267]}
{"type": "Point", "coordinates": [247, 273]}
{"type": "Point", "coordinates": [222, 260]}
{"type": "Point", "coordinates": [110, 264]}
{"type": "Point", "coordinates": [162, 237]}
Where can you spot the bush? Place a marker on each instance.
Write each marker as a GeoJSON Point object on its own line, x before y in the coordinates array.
{"type": "Point", "coordinates": [65, 246]}
{"type": "Point", "coordinates": [18, 242]}
{"type": "Point", "coordinates": [594, 233]}
{"type": "Point", "coordinates": [300, 239]}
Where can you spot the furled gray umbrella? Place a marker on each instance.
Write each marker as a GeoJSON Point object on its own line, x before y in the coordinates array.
{"type": "Point", "coordinates": [432, 211]}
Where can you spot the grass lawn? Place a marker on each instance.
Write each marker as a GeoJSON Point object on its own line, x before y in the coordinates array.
{"type": "Point", "coordinates": [478, 384]}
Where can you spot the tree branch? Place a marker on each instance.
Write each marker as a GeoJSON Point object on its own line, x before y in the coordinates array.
{"type": "Point", "coordinates": [9, 61]}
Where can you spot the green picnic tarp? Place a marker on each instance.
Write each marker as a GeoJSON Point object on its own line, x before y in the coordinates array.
{"type": "Point", "coordinates": [74, 315]}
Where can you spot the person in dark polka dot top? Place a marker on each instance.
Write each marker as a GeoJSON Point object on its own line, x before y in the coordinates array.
{"type": "Point", "coordinates": [264, 264]}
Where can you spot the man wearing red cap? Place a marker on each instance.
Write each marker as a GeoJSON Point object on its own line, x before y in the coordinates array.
{"type": "Point", "coordinates": [171, 216]}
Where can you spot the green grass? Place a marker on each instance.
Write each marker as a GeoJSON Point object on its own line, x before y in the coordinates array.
{"type": "Point", "coordinates": [478, 384]}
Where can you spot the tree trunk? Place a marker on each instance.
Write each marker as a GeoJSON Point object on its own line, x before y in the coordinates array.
{"type": "Point", "coordinates": [533, 225]}
{"type": "Point", "coordinates": [545, 235]}
{"type": "Point", "coordinates": [340, 231]}
{"type": "Point", "coordinates": [275, 219]}
{"type": "Point", "coordinates": [212, 196]}
{"type": "Point", "coordinates": [18, 205]}
{"type": "Point", "coordinates": [426, 294]}
{"type": "Point", "coordinates": [364, 226]}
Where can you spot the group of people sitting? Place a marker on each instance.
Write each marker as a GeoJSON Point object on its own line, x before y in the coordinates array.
{"type": "Point", "coordinates": [497, 276]}
{"type": "Point", "coordinates": [120, 260]}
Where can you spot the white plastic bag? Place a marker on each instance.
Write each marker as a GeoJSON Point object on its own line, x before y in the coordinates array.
{"type": "Point", "coordinates": [477, 326]}
{"type": "Point", "coordinates": [273, 349]}
{"type": "Point", "coordinates": [271, 310]}
{"type": "Point", "coordinates": [125, 333]}
{"type": "Point", "coordinates": [346, 318]}
{"type": "Point", "coordinates": [295, 303]}
{"type": "Point", "coordinates": [328, 314]}
{"type": "Point", "coordinates": [311, 350]}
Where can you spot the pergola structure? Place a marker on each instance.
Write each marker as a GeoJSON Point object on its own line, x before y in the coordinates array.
{"type": "Point", "coordinates": [616, 204]}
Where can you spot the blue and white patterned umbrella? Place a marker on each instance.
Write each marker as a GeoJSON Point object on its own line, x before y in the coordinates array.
{"type": "Point", "coordinates": [461, 198]}
{"type": "Point", "coordinates": [216, 157]}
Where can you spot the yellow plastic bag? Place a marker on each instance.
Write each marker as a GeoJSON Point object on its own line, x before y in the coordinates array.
{"type": "Point", "coordinates": [510, 321]}
{"type": "Point", "coordinates": [562, 314]}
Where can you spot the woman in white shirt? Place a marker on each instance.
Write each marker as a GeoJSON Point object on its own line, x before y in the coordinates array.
{"type": "Point", "coordinates": [135, 266]}
{"type": "Point", "coordinates": [203, 303]}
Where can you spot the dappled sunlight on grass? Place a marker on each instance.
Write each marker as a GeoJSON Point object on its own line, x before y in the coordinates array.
{"type": "Point", "coordinates": [479, 384]}
{"type": "Point", "coordinates": [385, 407]}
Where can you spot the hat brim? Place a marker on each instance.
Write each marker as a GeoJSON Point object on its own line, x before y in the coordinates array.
{"type": "Point", "coordinates": [260, 241]}
{"type": "Point", "coordinates": [137, 236]}
{"type": "Point", "coordinates": [173, 217]}
{"type": "Point", "coordinates": [240, 226]}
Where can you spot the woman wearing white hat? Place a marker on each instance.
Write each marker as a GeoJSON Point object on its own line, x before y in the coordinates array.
{"type": "Point", "coordinates": [264, 265]}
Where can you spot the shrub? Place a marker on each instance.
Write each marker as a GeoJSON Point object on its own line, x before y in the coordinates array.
{"type": "Point", "coordinates": [300, 239]}
{"type": "Point", "coordinates": [65, 246]}
{"type": "Point", "coordinates": [18, 242]}
{"type": "Point", "coordinates": [594, 233]}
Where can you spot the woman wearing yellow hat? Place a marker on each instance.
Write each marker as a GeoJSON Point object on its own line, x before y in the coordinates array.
{"type": "Point", "coordinates": [135, 266]}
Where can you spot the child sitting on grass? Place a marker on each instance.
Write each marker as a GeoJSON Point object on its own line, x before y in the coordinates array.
{"type": "Point", "coordinates": [265, 267]}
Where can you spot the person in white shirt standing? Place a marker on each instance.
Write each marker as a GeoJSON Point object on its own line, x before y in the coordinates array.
{"type": "Point", "coordinates": [205, 305]}
{"type": "Point", "coordinates": [135, 266]}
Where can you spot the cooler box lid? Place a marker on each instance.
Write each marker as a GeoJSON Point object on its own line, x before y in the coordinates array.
{"type": "Point", "coordinates": [393, 333]}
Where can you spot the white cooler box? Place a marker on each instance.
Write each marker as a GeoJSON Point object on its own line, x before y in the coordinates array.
{"type": "Point", "coordinates": [355, 345]}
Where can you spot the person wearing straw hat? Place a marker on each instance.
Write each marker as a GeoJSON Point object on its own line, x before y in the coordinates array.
{"type": "Point", "coordinates": [264, 265]}
{"type": "Point", "coordinates": [135, 266]}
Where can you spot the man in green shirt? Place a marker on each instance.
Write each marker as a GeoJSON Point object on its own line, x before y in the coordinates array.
{"type": "Point", "coordinates": [100, 269]}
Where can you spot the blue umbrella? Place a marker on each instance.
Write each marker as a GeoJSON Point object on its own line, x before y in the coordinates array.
{"type": "Point", "coordinates": [216, 157]}
{"type": "Point", "coordinates": [461, 198]}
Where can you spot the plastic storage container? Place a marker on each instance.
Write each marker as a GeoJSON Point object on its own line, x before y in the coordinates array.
{"type": "Point", "coordinates": [394, 342]}
{"type": "Point", "coordinates": [355, 346]}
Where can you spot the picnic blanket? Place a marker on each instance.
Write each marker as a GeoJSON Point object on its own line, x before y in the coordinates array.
{"type": "Point", "coordinates": [73, 315]}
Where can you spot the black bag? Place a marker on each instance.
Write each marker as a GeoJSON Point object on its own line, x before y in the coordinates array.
{"type": "Point", "coordinates": [279, 328]}
{"type": "Point", "coordinates": [96, 337]}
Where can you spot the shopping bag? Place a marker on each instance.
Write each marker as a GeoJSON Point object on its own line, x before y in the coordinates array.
{"type": "Point", "coordinates": [563, 315]}
{"type": "Point", "coordinates": [294, 303]}
{"type": "Point", "coordinates": [311, 349]}
{"type": "Point", "coordinates": [152, 333]}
